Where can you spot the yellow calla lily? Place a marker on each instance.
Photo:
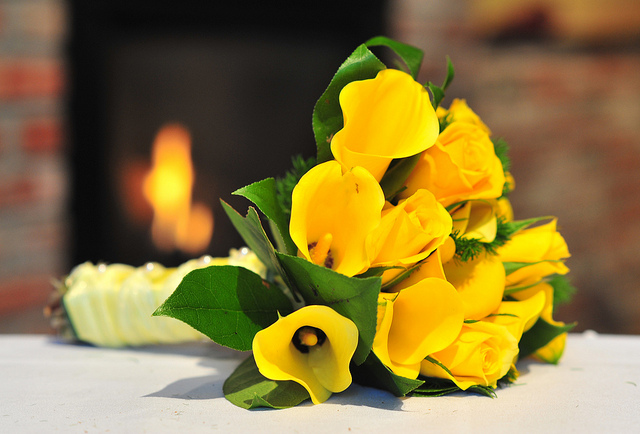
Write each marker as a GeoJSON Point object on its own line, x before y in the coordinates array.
{"type": "Point", "coordinates": [481, 355]}
{"type": "Point", "coordinates": [415, 322]}
{"type": "Point", "coordinates": [387, 117]}
{"type": "Point", "coordinates": [480, 283]}
{"type": "Point", "coordinates": [542, 246]}
{"type": "Point", "coordinates": [333, 215]}
{"type": "Point", "coordinates": [410, 231]}
{"type": "Point", "coordinates": [312, 346]}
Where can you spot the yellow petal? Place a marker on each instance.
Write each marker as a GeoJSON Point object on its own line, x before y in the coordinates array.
{"type": "Point", "coordinates": [542, 246]}
{"type": "Point", "coordinates": [459, 111]}
{"type": "Point", "coordinates": [333, 214]}
{"type": "Point", "coordinates": [480, 282]}
{"type": "Point", "coordinates": [322, 368]}
{"type": "Point", "coordinates": [519, 316]}
{"type": "Point", "coordinates": [476, 219]}
{"type": "Point", "coordinates": [421, 319]}
{"type": "Point", "coordinates": [410, 231]}
{"type": "Point", "coordinates": [552, 352]}
{"type": "Point", "coordinates": [387, 117]}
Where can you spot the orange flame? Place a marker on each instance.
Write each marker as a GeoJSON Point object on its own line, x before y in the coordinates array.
{"type": "Point", "coordinates": [177, 224]}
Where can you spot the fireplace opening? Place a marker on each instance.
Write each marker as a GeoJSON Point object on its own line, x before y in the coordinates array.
{"type": "Point", "coordinates": [236, 82]}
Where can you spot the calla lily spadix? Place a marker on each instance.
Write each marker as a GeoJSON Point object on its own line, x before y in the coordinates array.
{"type": "Point", "coordinates": [333, 214]}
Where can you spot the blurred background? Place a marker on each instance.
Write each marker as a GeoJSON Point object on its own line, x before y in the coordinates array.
{"type": "Point", "coordinates": [98, 97]}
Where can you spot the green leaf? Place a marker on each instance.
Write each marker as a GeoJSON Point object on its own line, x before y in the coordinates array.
{"type": "Point", "coordinates": [354, 298]}
{"type": "Point", "coordinates": [410, 55]}
{"type": "Point", "coordinates": [393, 180]}
{"type": "Point", "coordinates": [228, 304]}
{"type": "Point", "coordinates": [327, 114]}
{"type": "Point", "coordinates": [263, 194]}
{"type": "Point", "coordinates": [246, 387]}
{"type": "Point", "coordinates": [540, 335]}
{"type": "Point", "coordinates": [374, 373]}
{"type": "Point", "coordinates": [287, 183]}
{"type": "Point", "coordinates": [563, 290]}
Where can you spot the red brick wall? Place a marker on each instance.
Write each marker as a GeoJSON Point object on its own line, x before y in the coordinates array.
{"type": "Point", "coordinates": [571, 113]}
{"type": "Point", "coordinates": [32, 167]}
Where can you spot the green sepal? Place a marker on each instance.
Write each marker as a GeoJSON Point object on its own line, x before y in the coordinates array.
{"type": "Point", "coordinates": [354, 298]}
{"type": "Point", "coordinates": [393, 180]}
{"type": "Point", "coordinates": [374, 373]}
{"type": "Point", "coordinates": [511, 267]}
{"type": "Point", "coordinates": [228, 304]}
{"type": "Point", "coordinates": [246, 387]}
{"type": "Point", "coordinates": [438, 91]}
{"type": "Point", "coordinates": [410, 55]}
{"type": "Point", "coordinates": [518, 225]}
{"type": "Point", "coordinates": [327, 114]}
{"type": "Point", "coordinates": [264, 195]}
{"type": "Point", "coordinates": [540, 335]}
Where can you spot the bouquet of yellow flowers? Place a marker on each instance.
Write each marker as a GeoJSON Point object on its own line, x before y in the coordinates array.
{"type": "Point", "coordinates": [393, 259]}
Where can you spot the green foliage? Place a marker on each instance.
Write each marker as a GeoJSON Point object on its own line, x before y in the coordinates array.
{"type": "Point", "coordinates": [226, 303]}
{"type": "Point", "coordinates": [563, 290]}
{"type": "Point", "coordinates": [540, 335]}
{"type": "Point", "coordinates": [393, 180]}
{"type": "Point", "coordinates": [437, 92]}
{"type": "Point", "coordinates": [285, 185]}
{"type": "Point", "coordinates": [501, 149]}
{"type": "Point", "coordinates": [374, 373]}
{"type": "Point", "coordinates": [410, 55]}
{"type": "Point", "coordinates": [356, 299]}
{"type": "Point", "coordinates": [248, 388]}
{"type": "Point", "coordinates": [327, 114]}
{"type": "Point", "coordinates": [264, 195]}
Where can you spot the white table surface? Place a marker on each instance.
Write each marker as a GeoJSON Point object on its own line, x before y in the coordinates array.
{"type": "Point", "coordinates": [48, 386]}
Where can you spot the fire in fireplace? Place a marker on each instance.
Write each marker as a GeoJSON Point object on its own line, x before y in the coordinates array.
{"type": "Point", "coordinates": [235, 82]}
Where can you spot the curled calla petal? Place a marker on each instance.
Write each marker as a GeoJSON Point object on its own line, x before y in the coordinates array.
{"type": "Point", "coordinates": [415, 322]}
{"type": "Point", "coordinates": [519, 316]}
{"type": "Point", "coordinates": [333, 214]}
{"type": "Point", "coordinates": [481, 355]}
{"type": "Point", "coordinates": [542, 247]}
{"type": "Point", "coordinates": [462, 165]}
{"type": "Point", "coordinates": [312, 346]}
{"type": "Point", "coordinates": [480, 283]}
{"type": "Point", "coordinates": [387, 117]}
{"type": "Point", "coordinates": [410, 231]}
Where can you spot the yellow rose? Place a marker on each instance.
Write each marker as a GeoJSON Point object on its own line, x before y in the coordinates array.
{"type": "Point", "coordinates": [542, 247]}
{"type": "Point", "coordinates": [480, 283]}
{"type": "Point", "coordinates": [410, 231]}
{"type": "Point", "coordinates": [415, 322]}
{"type": "Point", "coordinates": [459, 111]}
{"type": "Point", "coordinates": [333, 215]}
{"type": "Point", "coordinates": [481, 355]}
{"type": "Point", "coordinates": [387, 117]}
{"type": "Point", "coordinates": [462, 165]}
{"type": "Point", "coordinates": [312, 346]}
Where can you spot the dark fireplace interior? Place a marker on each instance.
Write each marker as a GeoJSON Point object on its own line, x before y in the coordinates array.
{"type": "Point", "coordinates": [240, 77]}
